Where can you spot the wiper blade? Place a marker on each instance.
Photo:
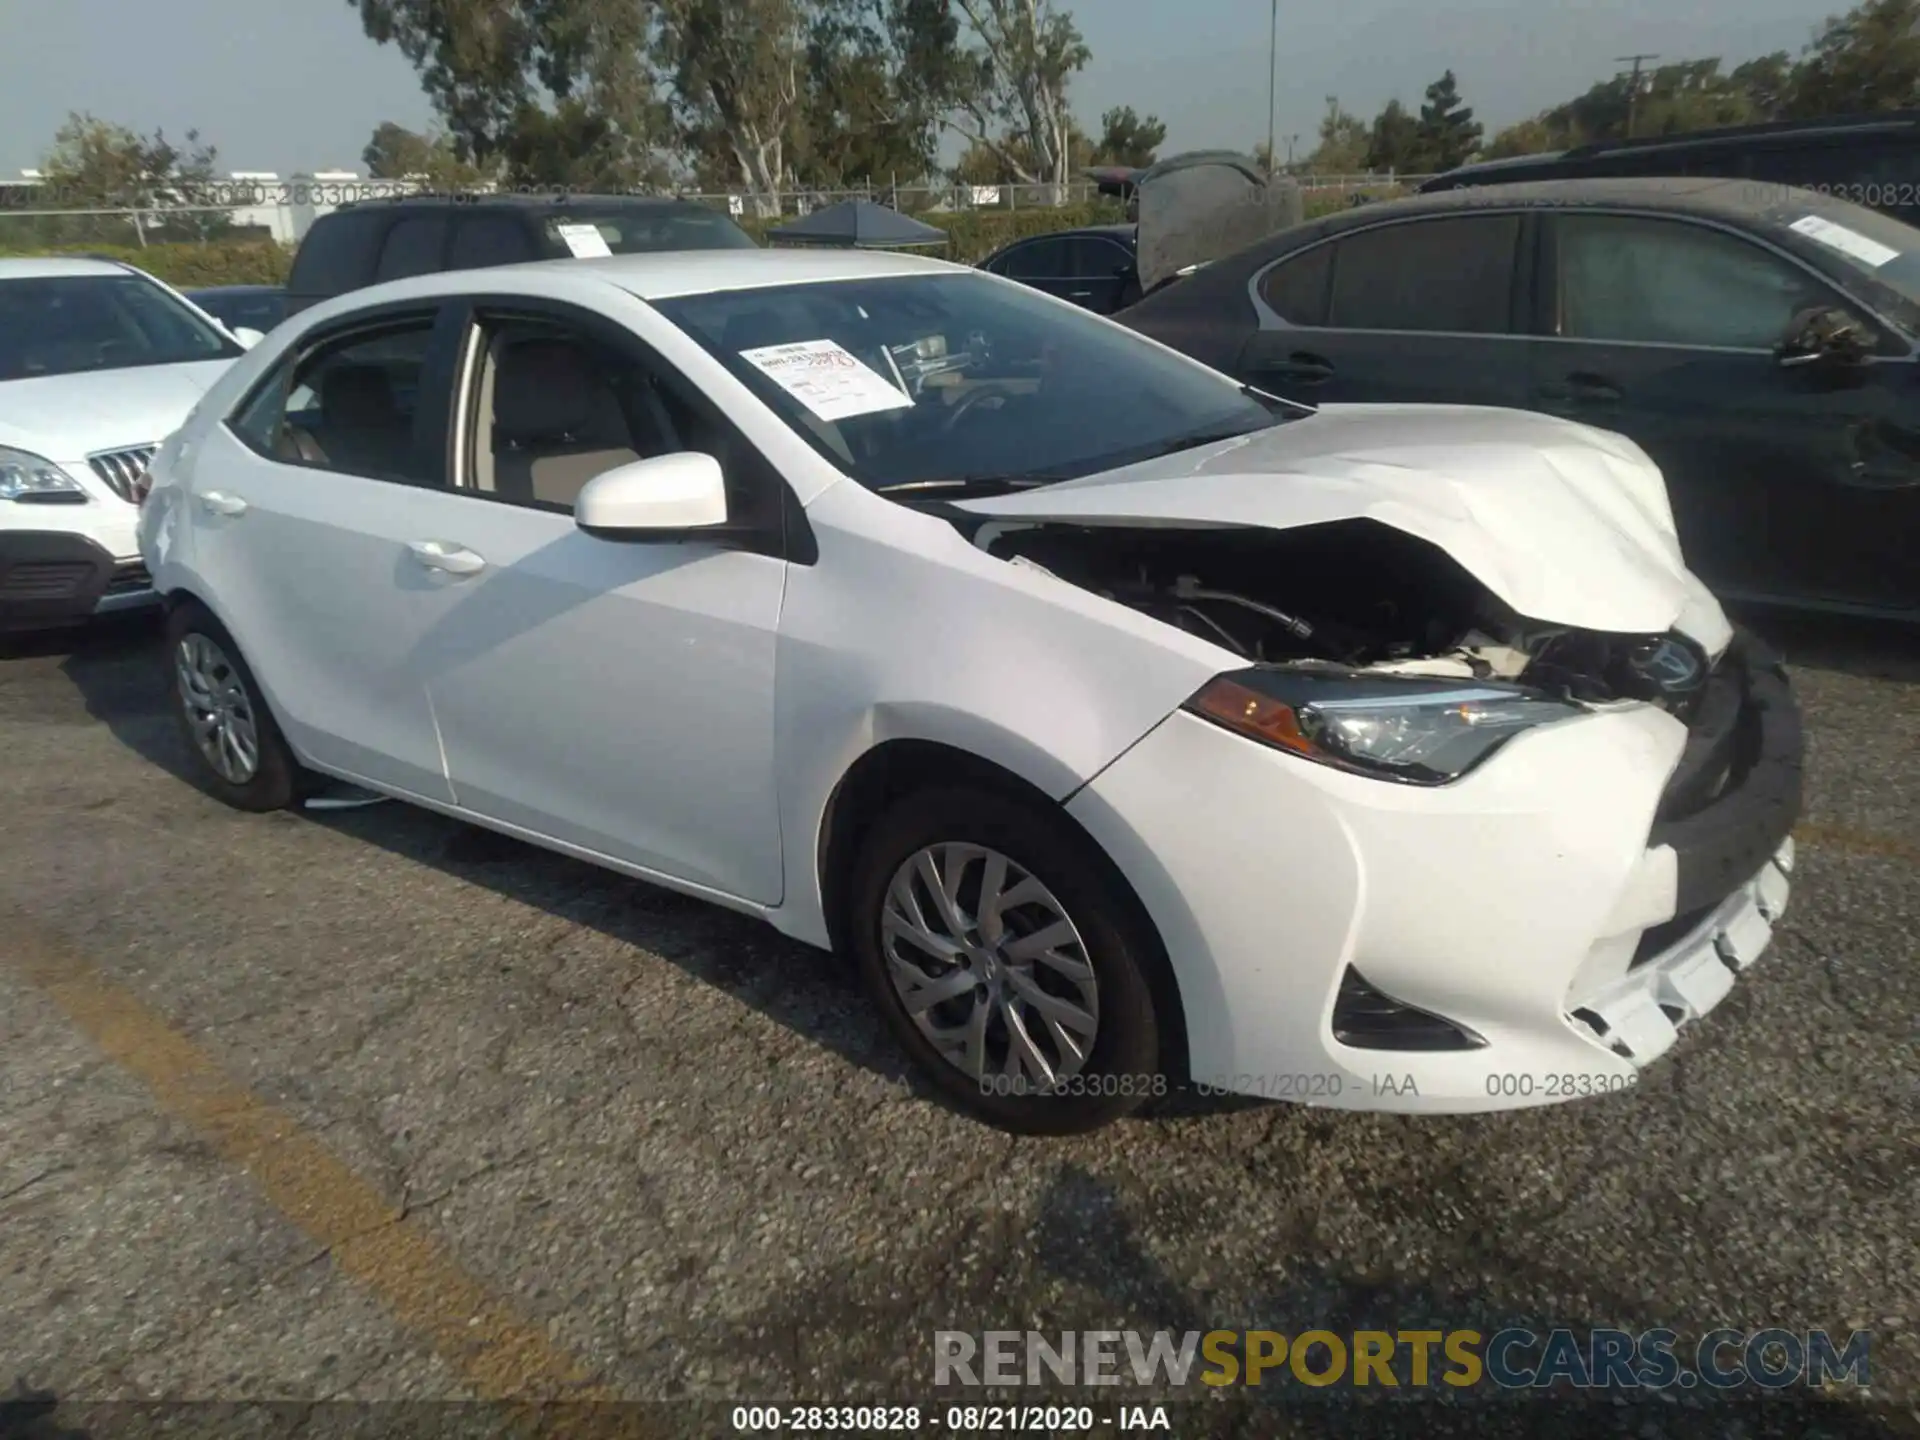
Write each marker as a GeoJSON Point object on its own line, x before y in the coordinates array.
{"type": "Point", "coordinates": [984, 484]}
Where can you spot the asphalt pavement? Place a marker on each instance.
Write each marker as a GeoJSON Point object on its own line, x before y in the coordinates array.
{"type": "Point", "coordinates": [374, 1107]}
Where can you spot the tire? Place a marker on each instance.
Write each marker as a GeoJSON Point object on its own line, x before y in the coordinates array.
{"type": "Point", "coordinates": [1065, 879]}
{"type": "Point", "coordinates": [199, 650]}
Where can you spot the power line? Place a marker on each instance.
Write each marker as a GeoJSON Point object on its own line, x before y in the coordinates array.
{"type": "Point", "coordinates": [1633, 90]}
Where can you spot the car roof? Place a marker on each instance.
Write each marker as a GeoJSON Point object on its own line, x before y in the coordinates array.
{"type": "Point", "coordinates": [662, 274]}
{"type": "Point", "coordinates": [1709, 196]}
{"type": "Point", "coordinates": [48, 267]}
{"type": "Point", "coordinates": [524, 200]}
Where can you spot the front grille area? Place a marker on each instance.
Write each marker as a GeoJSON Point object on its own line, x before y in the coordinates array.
{"type": "Point", "coordinates": [129, 579]}
{"type": "Point", "coordinates": [44, 579]}
{"type": "Point", "coordinates": [120, 468]}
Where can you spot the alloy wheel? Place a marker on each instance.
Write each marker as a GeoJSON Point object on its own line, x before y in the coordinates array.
{"type": "Point", "coordinates": [220, 713]}
{"type": "Point", "coordinates": [990, 967]}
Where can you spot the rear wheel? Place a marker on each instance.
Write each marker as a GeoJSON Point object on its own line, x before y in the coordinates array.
{"type": "Point", "coordinates": [1007, 961]}
{"type": "Point", "coordinates": [237, 751]}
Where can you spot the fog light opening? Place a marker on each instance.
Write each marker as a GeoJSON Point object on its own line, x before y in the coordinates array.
{"type": "Point", "coordinates": [1369, 1019]}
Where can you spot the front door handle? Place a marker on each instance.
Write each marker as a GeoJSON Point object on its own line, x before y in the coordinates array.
{"type": "Point", "coordinates": [446, 556]}
{"type": "Point", "coordinates": [1303, 367]}
{"type": "Point", "coordinates": [1584, 387]}
{"type": "Point", "coordinates": [219, 502]}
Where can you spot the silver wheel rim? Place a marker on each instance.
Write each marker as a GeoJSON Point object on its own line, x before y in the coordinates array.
{"type": "Point", "coordinates": [990, 967]}
{"type": "Point", "coordinates": [220, 713]}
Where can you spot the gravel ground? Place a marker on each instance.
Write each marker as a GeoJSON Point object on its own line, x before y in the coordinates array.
{"type": "Point", "coordinates": [677, 1157]}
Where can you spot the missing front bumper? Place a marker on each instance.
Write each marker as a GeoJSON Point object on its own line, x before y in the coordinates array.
{"type": "Point", "coordinates": [1640, 1016]}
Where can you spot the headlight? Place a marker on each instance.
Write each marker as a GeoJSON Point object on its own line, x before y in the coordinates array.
{"type": "Point", "coordinates": [1410, 728]}
{"type": "Point", "coordinates": [31, 478]}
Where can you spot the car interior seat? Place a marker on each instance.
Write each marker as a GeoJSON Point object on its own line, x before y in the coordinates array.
{"type": "Point", "coordinates": [557, 423]}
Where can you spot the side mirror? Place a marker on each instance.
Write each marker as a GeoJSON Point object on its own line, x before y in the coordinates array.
{"type": "Point", "coordinates": [650, 499]}
{"type": "Point", "coordinates": [1824, 335]}
{"type": "Point", "coordinates": [247, 336]}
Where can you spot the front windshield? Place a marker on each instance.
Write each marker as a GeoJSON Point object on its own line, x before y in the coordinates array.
{"type": "Point", "coordinates": [937, 384]}
{"type": "Point", "coordinates": [643, 229]}
{"type": "Point", "coordinates": [60, 325]}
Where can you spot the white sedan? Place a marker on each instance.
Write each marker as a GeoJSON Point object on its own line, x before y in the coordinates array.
{"type": "Point", "coordinates": [1132, 730]}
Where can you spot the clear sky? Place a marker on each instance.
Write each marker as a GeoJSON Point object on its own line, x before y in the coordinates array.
{"type": "Point", "coordinates": [287, 85]}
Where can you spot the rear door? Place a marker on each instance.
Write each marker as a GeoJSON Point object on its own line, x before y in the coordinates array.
{"type": "Point", "coordinates": [1429, 310]}
{"type": "Point", "coordinates": [1800, 483]}
{"type": "Point", "coordinates": [1045, 264]}
{"type": "Point", "coordinates": [1101, 268]}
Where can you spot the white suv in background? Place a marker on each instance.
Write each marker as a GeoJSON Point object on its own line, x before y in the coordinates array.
{"type": "Point", "coordinates": [98, 364]}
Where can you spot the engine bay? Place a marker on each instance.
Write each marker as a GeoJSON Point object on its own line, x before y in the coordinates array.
{"type": "Point", "coordinates": [1354, 595]}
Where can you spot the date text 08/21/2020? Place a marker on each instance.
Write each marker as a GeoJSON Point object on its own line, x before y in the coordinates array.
{"type": "Point", "coordinates": [961, 1419]}
{"type": "Point", "coordinates": [1310, 1086]}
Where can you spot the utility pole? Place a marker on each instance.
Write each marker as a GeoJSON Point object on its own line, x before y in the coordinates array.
{"type": "Point", "coordinates": [1273, 78]}
{"type": "Point", "coordinates": [1633, 91]}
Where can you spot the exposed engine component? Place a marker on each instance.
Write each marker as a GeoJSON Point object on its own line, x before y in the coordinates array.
{"type": "Point", "coordinates": [1354, 594]}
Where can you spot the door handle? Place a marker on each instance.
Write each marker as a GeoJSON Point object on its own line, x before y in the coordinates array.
{"type": "Point", "coordinates": [1304, 367]}
{"type": "Point", "coordinates": [1584, 387]}
{"type": "Point", "coordinates": [446, 556]}
{"type": "Point", "coordinates": [219, 502]}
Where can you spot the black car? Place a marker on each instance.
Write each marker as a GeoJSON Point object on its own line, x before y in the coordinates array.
{"type": "Point", "coordinates": [375, 240]}
{"type": "Point", "coordinates": [1761, 348]}
{"type": "Point", "coordinates": [251, 307]}
{"type": "Point", "coordinates": [1094, 267]}
{"type": "Point", "coordinates": [1872, 160]}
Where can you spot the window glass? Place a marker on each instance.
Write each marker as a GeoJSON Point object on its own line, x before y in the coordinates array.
{"type": "Point", "coordinates": [337, 253]}
{"type": "Point", "coordinates": [644, 229]}
{"type": "Point", "coordinates": [58, 325]}
{"type": "Point", "coordinates": [482, 240]}
{"type": "Point", "coordinates": [1092, 258]}
{"type": "Point", "coordinates": [412, 247]}
{"type": "Point", "coordinates": [1666, 281]}
{"type": "Point", "coordinates": [1038, 260]}
{"type": "Point", "coordinates": [349, 406]}
{"type": "Point", "coordinates": [1296, 289]}
{"type": "Point", "coordinates": [558, 407]}
{"type": "Point", "coordinates": [932, 384]}
{"type": "Point", "coordinates": [1453, 275]}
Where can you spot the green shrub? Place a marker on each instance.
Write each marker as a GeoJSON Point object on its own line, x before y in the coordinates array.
{"type": "Point", "coordinates": [187, 267]}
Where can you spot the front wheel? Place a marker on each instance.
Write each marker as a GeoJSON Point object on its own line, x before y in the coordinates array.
{"type": "Point", "coordinates": [237, 751]}
{"type": "Point", "coordinates": [1007, 961]}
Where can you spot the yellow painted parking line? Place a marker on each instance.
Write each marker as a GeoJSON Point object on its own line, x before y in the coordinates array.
{"type": "Point", "coordinates": [500, 1355]}
{"type": "Point", "coordinates": [1863, 842]}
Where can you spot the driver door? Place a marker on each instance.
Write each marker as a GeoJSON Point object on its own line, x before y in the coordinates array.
{"type": "Point", "coordinates": [613, 696]}
{"type": "Point", "coordinates": [1798, 483]}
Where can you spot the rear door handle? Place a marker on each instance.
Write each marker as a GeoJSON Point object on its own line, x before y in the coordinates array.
{"type": "Point", "coordinates": [1584, 387]}
{"type": "Point", "coordinates": [446, 556]}
{"type": "Point", "coordinates": [1304, 367]}
{"type": "Point", "coordinates": [219, 502]}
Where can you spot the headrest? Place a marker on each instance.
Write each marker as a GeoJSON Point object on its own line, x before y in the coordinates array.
{"type": "Point", "coordinates": [544, 389]}
{"type": "Point", "coordinates": [358, 396]}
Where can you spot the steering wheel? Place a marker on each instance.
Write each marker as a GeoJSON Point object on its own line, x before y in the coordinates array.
{"type": "Point", "coordinates": [965, 405]}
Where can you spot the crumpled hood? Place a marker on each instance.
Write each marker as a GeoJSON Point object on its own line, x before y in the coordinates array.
{"type": "Point", "coordinates": [1566, 524]}
{"type": "Point", "coordinates": [68, 417]}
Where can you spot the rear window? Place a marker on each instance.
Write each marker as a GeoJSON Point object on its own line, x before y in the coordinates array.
{"type": "Point", "coordinates": [337, 254]}
{"type": "Point", "coordinates": [640, 230]}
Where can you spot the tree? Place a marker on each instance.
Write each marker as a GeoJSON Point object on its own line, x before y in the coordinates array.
{"type": "Point", "coordinates": [1010, 92]}
{"type": "Point", "coordinates": [735, 68]}
{"type": "Point", "coordinates": [1447, 133]}
{"type": "Point", "coordinates": [1393, 143]}
{"type": "Point", "coordinates": [106, 166]}
{"type": "Point", "coordinates": [1127, 139]}
{"type": "Point", "coordinates": [397, 153]}
{"type": "Point", "coordinates": [1866, 60]}
{"type": "Point", "coordinates": [877, 76]}
{"type": "Point", "coordinates": [549, 88]}
{"type": "Point", "coordinates": [1343, 142]}
{"type": "Point", "coordinates": [1529, 137]}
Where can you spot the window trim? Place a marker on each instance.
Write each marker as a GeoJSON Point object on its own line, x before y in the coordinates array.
{"type": "Point", "coordinates": [788, 537]}
{"type": "Point", "coordinates": [434, 393]}
{"type": "Point", "coordinates": [1546, 316]}
{"type": "Point", "coordinates": [1520, 283]}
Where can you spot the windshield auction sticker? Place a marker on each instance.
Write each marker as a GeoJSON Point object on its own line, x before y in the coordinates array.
{"type": "Point", "coordinates": [828, 379]}
{"type": "Point", "coordinates": [1847, 242]}
{"type": "Point", "coordinates": [585, 241]}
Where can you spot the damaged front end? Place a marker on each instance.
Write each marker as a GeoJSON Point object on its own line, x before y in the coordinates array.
{"type": "Point", "coordinates": [1350, 599]}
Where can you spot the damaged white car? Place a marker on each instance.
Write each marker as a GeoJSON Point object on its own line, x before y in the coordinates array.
{"type": "Point", "coordinates": [1133, 731]}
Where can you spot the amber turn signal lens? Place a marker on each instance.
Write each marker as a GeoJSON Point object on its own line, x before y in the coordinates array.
{"type": "Point", "coordinates": [1259, 717]}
